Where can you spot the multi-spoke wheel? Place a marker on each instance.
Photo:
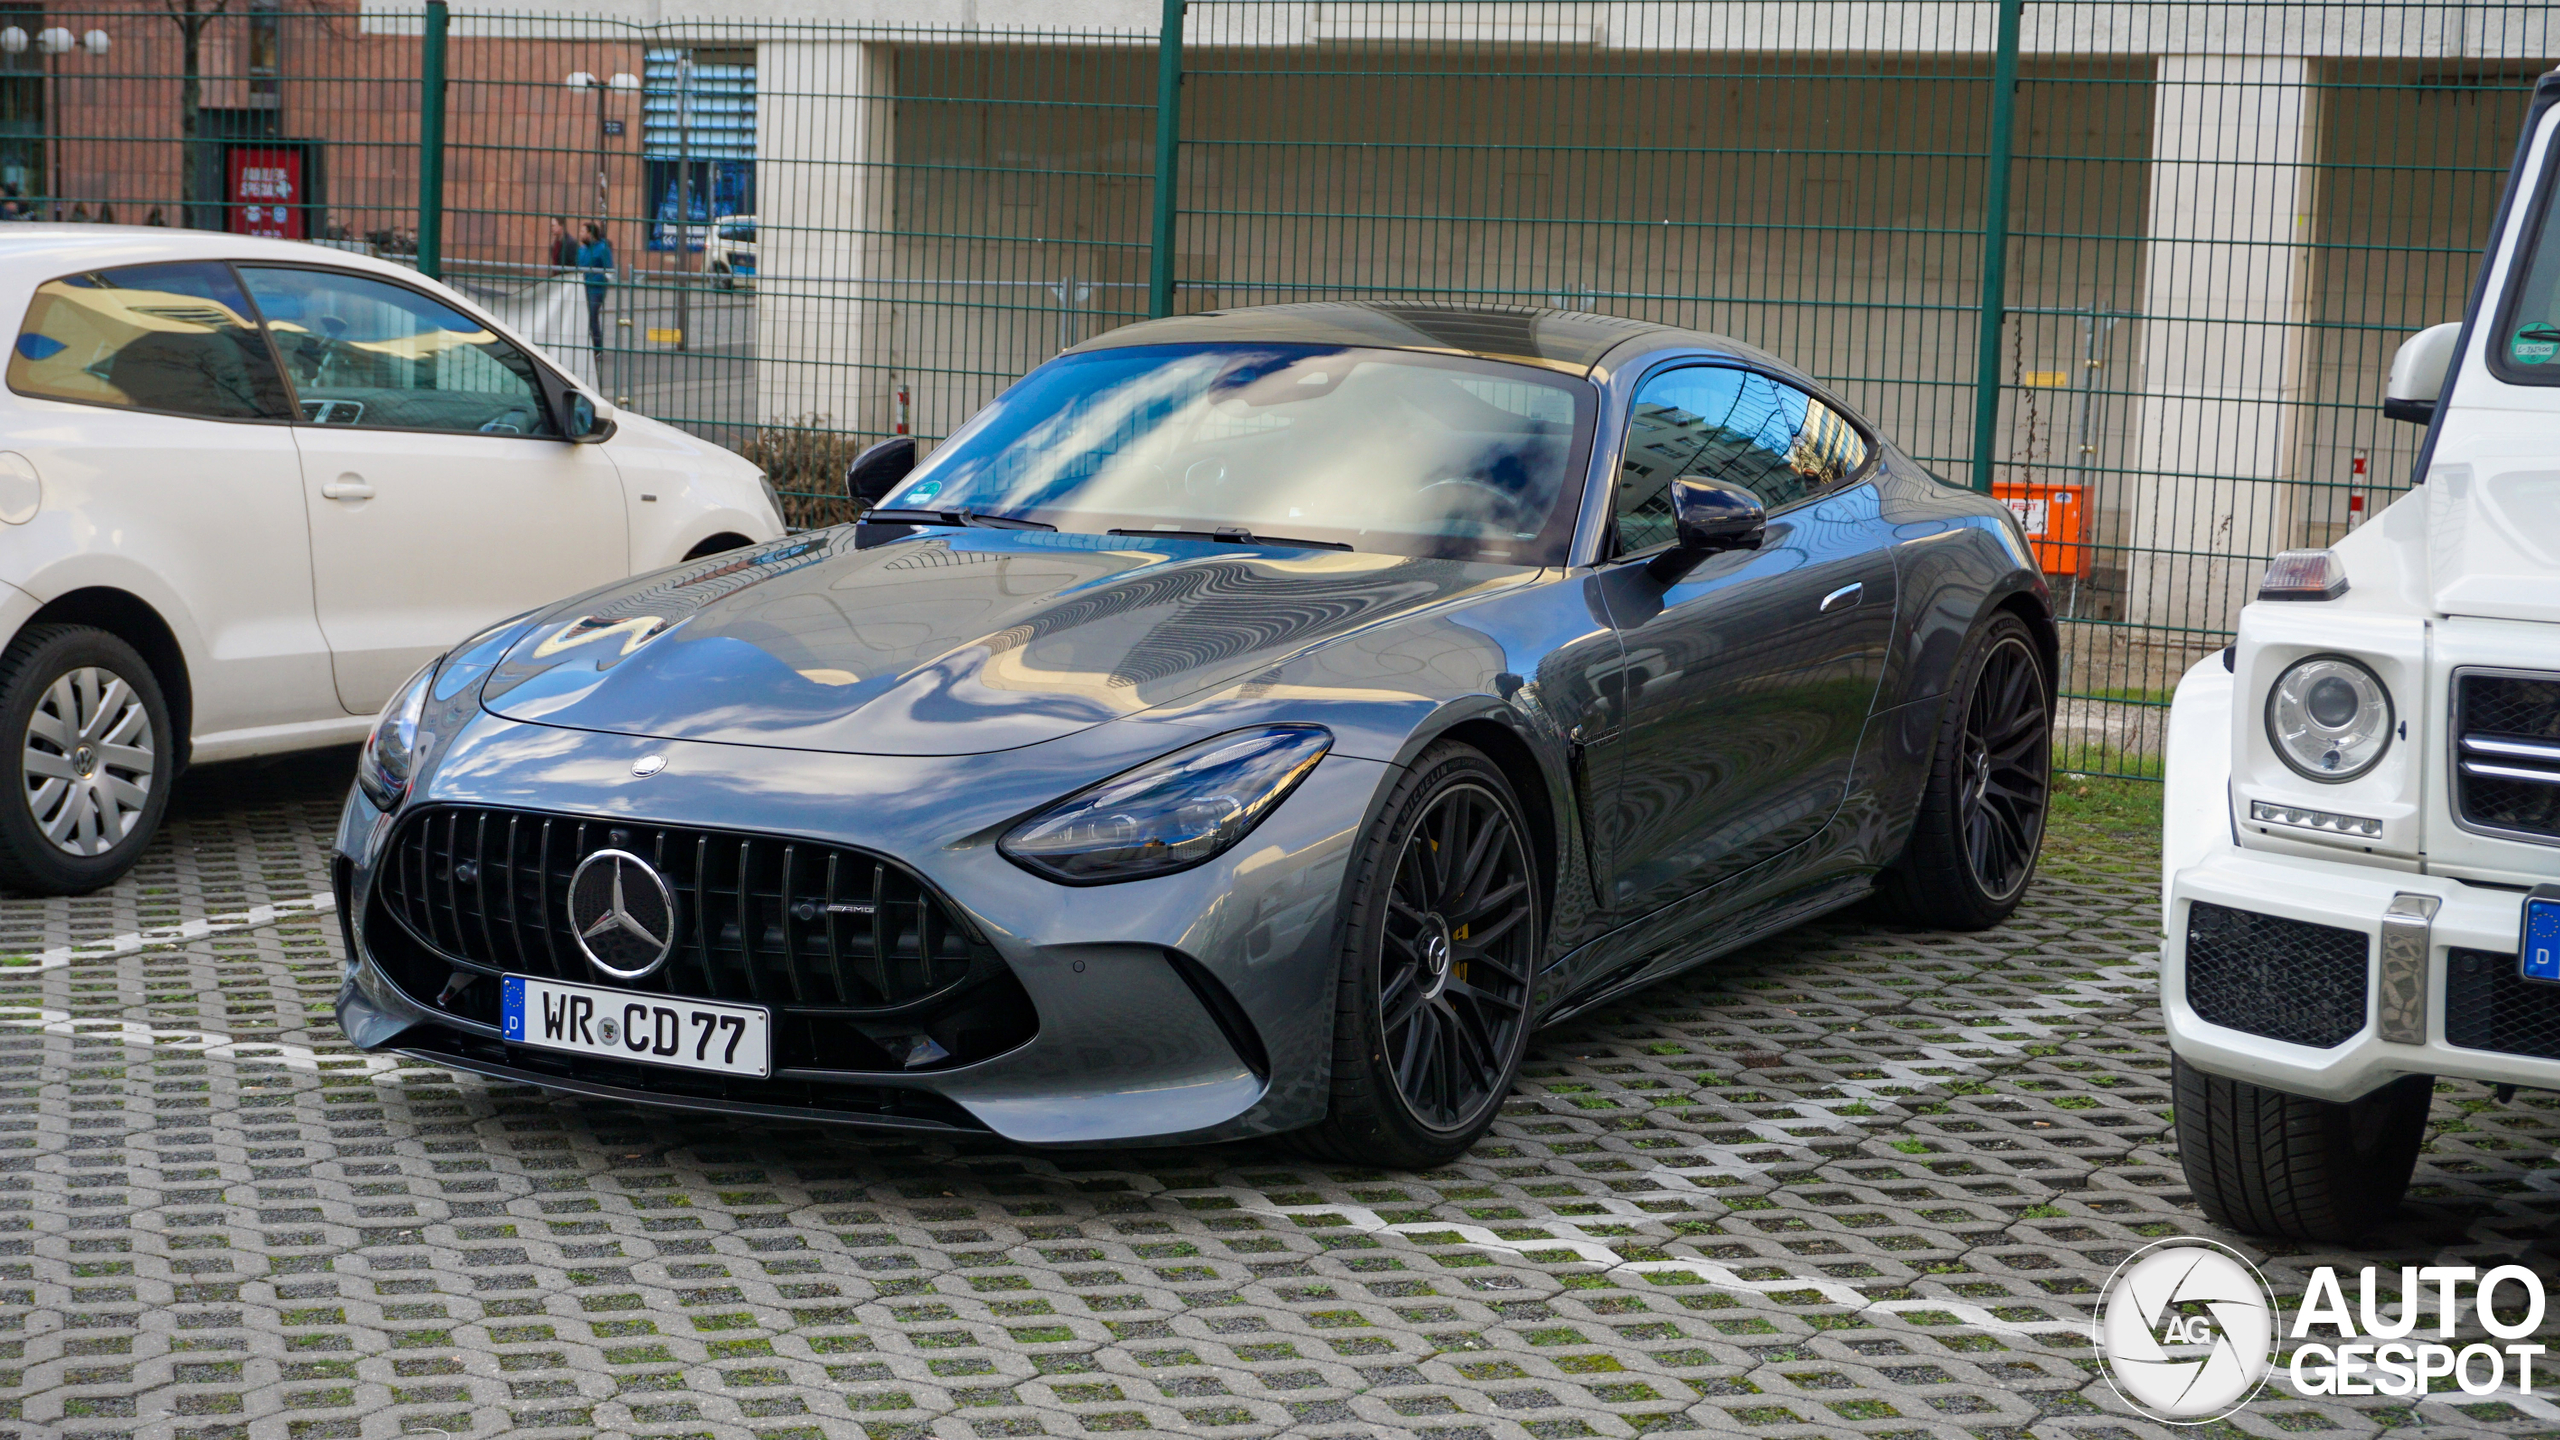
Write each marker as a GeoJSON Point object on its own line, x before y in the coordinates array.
{"type": "Point", "coordinates": [1442, 943]}
{"type": "Point", "coordinates": [94, 758]}
{"type": "Point", "coordinates": [1981, 817]}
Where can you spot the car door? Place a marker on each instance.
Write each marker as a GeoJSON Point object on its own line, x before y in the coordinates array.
{"type": "Point", "coordinates": [1748, 682]}
{"type": "Point", "coordinates": [151, 409]}
{"type": "Point", "coordinates": [440, 495]}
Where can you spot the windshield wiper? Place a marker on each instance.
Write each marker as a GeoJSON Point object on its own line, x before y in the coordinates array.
{"type": "Point", "coordinates": [969, 518]}
{"type": "Point", "coordinates": [1231, 537]}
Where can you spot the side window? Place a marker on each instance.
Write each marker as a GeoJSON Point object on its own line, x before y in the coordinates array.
{"type": "Point", "coordinates": [176, 337]}
{"type": "Point", "coordinates": [1739, 425]}
{"type": "Point", "coordinates": [369, 353]}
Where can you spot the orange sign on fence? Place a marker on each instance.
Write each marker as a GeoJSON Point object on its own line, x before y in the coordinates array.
{"type": "Point", "coordinates": [2055, 519]}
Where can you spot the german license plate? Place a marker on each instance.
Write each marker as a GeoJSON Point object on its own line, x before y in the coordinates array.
{"type": "Point", "coordinates": [648, 1029]}
{"type": "Point", "coordinates": [2538, 952]}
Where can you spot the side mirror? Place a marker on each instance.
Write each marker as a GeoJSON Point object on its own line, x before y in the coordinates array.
{"type": "Point", "coordinates": [1709, 517]}
{"type": "Point", "coordinates": [878, 469]}
{"type": "Point", "coordinates": [2418, 371]}
{"type": "Point", "coordinates": [584, 420]}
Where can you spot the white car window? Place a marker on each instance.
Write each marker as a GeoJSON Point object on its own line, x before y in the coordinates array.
{"type": "Point", "coordinates": [176, 338]}
{"type": "Point", "coordinates": [380, 356]}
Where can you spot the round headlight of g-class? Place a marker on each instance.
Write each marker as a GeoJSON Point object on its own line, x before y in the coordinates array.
{"type": "Point", "coordinates": [2329, 717]}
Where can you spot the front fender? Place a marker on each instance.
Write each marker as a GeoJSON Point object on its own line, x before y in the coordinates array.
{"type": "Point", "coordinates": [2195, 810]}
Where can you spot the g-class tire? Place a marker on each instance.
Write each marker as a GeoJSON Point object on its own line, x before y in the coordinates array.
{"type": "Point", "coordinates": [92, 755]}
{"type": "Point", "coordinates": [2263, 1162]}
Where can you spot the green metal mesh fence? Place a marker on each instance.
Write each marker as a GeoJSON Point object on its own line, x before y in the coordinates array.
{"type": "Point", "coordinates": [2219, 219]}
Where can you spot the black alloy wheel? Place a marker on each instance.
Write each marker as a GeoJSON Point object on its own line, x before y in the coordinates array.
{"type": "Point", "coordinates": [1980, 822]}
{"type": "Point", "coordinates": [1453, 982]}
{"type": "Point", "coordinates": [2008, 768]}
{"type": "Point", "coordinates": [1441, 944]}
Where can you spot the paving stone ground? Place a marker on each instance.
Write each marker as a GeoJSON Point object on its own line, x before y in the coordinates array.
{"type": "Point", "coordinates": [1857, 1181]}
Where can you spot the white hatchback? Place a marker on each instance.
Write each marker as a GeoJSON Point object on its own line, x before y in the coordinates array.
{"type": "Point", "coordinates": [248, 486]}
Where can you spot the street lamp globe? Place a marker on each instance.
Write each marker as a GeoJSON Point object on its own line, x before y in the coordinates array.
{"type": "Point", "coordinates": [13, 41]}
{"type": "Point", "coordinates": [54, 40]}
{"type": "Point", "coordinates": [579, 80]}
{"type": "Point", "coordinates": [96, 42]}
{"type": "Point", "coordinates": [624, 81]}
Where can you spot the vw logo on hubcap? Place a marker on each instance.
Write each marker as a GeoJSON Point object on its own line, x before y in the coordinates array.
{"type": "Point", "coordinates": [622, 912]}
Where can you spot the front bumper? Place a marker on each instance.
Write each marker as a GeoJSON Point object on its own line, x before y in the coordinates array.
{"type": "Point", "coordinates": [1127, 1047]}
{"type": "Point", "coordinates": [2459, 965]}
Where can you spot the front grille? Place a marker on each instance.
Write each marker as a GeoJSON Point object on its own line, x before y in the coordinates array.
{"type": "Point", "coordinates": [2488, 1006]}
{"type": "Point", "coordinates": [2507, 752]}
{"type": "Point", "coordinates": [2285, 979]}
{"type": "Point", "coordinates": [466, 893]}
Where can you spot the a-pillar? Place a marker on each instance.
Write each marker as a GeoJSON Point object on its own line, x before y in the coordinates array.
{"type": "Point", "coordinates": [2226, 291]}
{"type": "Point", "coordinates": [824, 146]}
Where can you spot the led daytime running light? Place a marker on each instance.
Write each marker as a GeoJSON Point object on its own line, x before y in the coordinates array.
{"type": "Point", "coordinates": [2324, 822]}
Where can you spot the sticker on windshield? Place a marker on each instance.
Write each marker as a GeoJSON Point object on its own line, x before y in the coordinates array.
{"type": "Point", "coordinates": [2534, 344]}
{"type": "Point", "coordinates": [921, 493]}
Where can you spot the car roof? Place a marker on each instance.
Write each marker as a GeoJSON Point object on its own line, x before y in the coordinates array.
{"type": "Point", "coordinates": [40, 250]}
{"type": "Point", "coordinates": [1573, 341]}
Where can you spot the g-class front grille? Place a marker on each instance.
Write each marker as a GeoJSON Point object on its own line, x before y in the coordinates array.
{"type": "Point", "coordinates": [2507, 752]}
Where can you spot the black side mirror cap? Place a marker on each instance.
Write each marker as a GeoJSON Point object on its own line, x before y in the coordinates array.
{"type": "Point", "coordinates": [879, 468]}
{"type": "Point", "coordinates": [1708, 517]}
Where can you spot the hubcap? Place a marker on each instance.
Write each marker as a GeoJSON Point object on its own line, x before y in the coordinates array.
{"type": "Point", "coordinates": [2007, 769]}
{"type": "Point", "coordinates": [1455, 959]}
{"type": "Point", "coordinates": [89, 761]}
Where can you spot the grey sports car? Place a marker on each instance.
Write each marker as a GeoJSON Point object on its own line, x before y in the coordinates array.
{"type": "Point", "coordinates": [1250, 722]}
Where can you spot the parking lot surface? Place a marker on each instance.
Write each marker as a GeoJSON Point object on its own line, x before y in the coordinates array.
{"type": "Point", "coordinates": [1856, 1180]}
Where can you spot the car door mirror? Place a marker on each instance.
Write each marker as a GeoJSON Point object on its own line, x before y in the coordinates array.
{"type": "Point", "coordinates": [2418, 371]}
{"type": "Point", "coordinates": [1708, 517]}
{"type": "Point", "coordinates": [877, 470]}
{"type": "Point", "coordinates": [590, 419]}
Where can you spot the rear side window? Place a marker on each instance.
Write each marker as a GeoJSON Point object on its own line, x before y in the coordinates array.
{"type": "Point", "coordinates": [177, 338]}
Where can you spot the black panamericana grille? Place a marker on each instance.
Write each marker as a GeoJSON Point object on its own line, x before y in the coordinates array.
{"type": "Point", "coordinates": [2507, 752]}
{"type": "Point", "coordinates": [2488, 1006]}
{"type": "Point", "coordinates": [2285, 979]}
{"type": "Point", "coordinates": [856, 956]}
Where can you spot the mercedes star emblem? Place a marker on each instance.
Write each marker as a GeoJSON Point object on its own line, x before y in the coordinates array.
{"type": "Point", "coordinates": [622, 912]}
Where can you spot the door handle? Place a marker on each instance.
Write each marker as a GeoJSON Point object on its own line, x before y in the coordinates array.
{"type": "Point", "coordinates": [1840, 599]}
{"type": "Point", "coordinates": [353, 487]}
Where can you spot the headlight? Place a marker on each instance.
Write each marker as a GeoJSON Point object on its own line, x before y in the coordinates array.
{"type": "Point", "coordinates": [1168, 814]}
{"type": "Point", "coordinates": [391, 751]}
{"type": "Point", "coordinates": [2329, 718]}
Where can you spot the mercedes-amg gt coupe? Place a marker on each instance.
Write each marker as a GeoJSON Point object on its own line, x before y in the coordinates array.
{"type": "Point", "coordinates": [1250, 722]}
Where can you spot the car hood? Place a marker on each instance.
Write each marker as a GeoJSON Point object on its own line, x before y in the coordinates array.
{"type": "Point", "coordinates": [952, 642]}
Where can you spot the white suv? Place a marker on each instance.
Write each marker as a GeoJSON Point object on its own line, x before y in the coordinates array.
{"type": "Point", "coordinates": [247, 486]}
{"type": "Point", "coordinates": [2364, 792]}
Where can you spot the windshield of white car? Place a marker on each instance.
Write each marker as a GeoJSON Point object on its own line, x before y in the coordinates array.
{"type": "Point", "coordinates": [1378, 450]}
{"type": "Point", "coordinates": [2524, 349]}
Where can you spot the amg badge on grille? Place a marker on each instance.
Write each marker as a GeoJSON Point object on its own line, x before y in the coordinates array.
{"type": "Point", "coordinates": [622, 912]}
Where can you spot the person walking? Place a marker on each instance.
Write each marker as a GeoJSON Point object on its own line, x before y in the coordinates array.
{"type": "Point", "coordinates": [595, 257]}
{"type": "Point", "coordinates": [564, 247]}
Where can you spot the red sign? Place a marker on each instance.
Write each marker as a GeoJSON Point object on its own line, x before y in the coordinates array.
{"type": "Point", "coordinates": [265, 193]}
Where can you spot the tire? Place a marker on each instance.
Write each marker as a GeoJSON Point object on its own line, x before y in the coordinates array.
{"type": "Point", "coordinates": [1431, 1021]}
{"type": "Point", "coordinates": [1981, 820]}
{"type": "Point", "coordinates": [92, 753]}
{"type": "Point", "coordinates": [2263, 1162]}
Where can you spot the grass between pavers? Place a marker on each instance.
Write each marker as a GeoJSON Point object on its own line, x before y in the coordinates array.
{"type": "Point", "coordinates": [2104, 823]}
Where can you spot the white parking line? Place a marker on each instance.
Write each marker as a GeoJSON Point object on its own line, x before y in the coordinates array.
{"type": "Point", "coordinates": [164, 935]}
{"type": "Point", "coordinates": [203, 1042]}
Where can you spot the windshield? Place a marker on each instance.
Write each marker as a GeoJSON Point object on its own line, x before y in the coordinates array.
{"type": "Point", "coordinates": [1380, 450]}
{"type": "Point", "coordinates": [2525, 348]}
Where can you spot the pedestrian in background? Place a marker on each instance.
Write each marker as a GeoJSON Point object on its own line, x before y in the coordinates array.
{"type": "Point", "coordinates": [595, 257]}
{"type": "Point", "coordinates": [564, 247]}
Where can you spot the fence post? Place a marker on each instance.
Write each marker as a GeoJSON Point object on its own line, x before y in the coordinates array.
{"type": "Point", "coordinates": [1168, 159]}
{"type": "Point", "coordinates": [431, 145]}
{"type": "Point", "coordinates": [1995, 243]}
